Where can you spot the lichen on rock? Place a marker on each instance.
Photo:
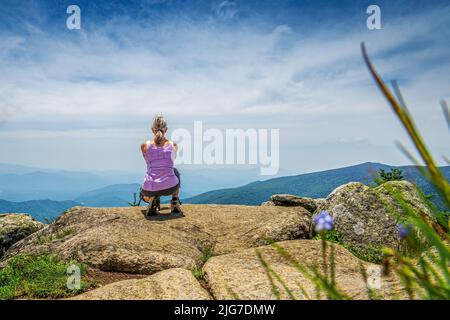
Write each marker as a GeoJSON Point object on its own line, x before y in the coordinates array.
{"type": "Point", "coordinates": [14, 227]}
{"type": "Point", "coordinates": [364, 216]}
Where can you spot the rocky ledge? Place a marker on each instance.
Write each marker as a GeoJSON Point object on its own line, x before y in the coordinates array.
{"type": "Point", "coordinates": [217, 251]}
{"type": "Point", "coordinates": [122, 239]}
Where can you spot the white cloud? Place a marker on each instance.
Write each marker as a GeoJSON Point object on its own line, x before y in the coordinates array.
{"type": "Point", "coordinates": [315, 86]}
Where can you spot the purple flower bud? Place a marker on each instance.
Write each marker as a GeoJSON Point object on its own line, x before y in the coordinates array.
{"type": "Point", "coordinates": [403, 231]}
{"type": "Point", "coordinates": [323, 222]}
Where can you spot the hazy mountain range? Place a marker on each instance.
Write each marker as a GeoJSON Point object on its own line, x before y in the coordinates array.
{"type": "Point", "coordinates": [21, 183]}
{"type": "Point", "coordinates": [47, 193]}
{"type": "Point", "coordinates": [42, 210]}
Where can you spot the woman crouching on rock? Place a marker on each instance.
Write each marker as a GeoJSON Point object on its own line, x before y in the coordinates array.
{"type": "Point", "coordinates": [161, 179]}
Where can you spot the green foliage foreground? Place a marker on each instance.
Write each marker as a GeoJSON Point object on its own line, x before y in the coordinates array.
{"type": "Point", "coordinates": [428, 275]}
{"type": "Point", "coordinates": [39, 277]}
{"type": "Point", "coordinates": [423, 267]}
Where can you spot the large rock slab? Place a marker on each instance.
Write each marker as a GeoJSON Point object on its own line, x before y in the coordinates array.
{"type": "Point", "coordinates": [363, 216]}
{"type": "Point", "coordinates": [15, 227]}
{"type": "Point", "coordinates": [241, 275]}
{"type": "Point", "coordinates": [171, 284]}
{"type": "Point", "coordinates": [122, 239]}
{"type": "Point", "coordinates": [235, 227]}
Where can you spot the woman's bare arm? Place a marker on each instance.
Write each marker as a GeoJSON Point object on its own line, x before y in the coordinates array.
{"type": "Point", "coordinates": [144, 149]}
{"type": "Point", "coordinates": [175, 148]}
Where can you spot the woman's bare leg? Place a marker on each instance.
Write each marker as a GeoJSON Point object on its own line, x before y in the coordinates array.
{"type": "Point", "coordinates": [175, 204]}
{"type": "Point", "coordinates": [148, 199]}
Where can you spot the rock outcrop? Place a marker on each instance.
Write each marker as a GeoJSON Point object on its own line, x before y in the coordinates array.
{"type": "Point", "coordinates": [121, 239]}
{"type": "Point", "coordinates": [221, 241]}
{"type": "Point", "coordinates": [15, 227]}
{"type": "Point", "coordinates": [363, 216]}
{"type": "Point", "coordinates": [289, 200]}
{"type": "Point", "coordinates": [171, 284]}
{"type": "Point", "coordinates": [241, 274]}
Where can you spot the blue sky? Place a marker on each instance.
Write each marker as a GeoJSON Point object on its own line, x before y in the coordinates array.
{"type": "Point", "coordinates": [84, 99]}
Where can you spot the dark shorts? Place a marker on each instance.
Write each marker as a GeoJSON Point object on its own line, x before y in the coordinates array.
{"type": "Point", "coordinates": [165, 192]}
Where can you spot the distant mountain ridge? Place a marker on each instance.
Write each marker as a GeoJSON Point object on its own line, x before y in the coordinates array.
{"type": "Point", "coordinates": [61, 185]}
{"type": "Point", "coordinates": [116, 195]}
{"type": "Point", "coordinates": [41, 210]}
{"type": "Point", "coordinates": [314, 185]}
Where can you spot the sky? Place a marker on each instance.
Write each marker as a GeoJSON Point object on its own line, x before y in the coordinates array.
{"type": "Point", "coordinates": [84, 99]}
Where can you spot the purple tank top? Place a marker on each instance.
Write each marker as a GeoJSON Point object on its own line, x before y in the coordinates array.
{"type": "Point", "coordinates": [160, 174]}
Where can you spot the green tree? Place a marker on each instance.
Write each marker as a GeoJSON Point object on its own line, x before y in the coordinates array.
{"type": "Point", "coordinates": [385, 176]}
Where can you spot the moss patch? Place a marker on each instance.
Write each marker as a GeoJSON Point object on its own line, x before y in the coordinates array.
{"type": "Point", "coordinates": [49, 238]}
{"type": "Point", "coordinates": [370, 254]}
{"type": "Point", "coordinates": [198, 273]}
{"type": "Point", "coordinates": [40, 276]}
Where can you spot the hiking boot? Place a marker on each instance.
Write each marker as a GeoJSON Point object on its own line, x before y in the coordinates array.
{"type": "Point", "coordinates": [175, 206]}
{"type": "Point", "coordinates": [153, 208]}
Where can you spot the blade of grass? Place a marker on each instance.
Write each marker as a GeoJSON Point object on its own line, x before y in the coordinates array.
{"type": "Point", "coordinates": [437, 177]}
{"type": "Point", "coordinates": [446, 112]}
{"type": "Point", "coordinates": [275, 290]}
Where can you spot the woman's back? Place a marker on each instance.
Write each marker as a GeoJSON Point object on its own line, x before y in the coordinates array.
{"type": "Point", "coordinates": [160, 174]}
